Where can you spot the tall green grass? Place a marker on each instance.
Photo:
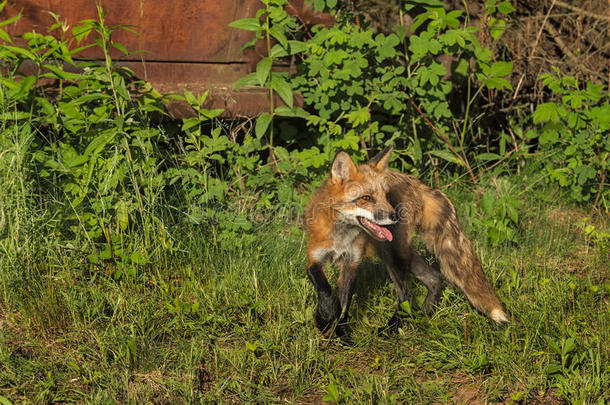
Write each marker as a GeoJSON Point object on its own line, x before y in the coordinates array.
{"type": "Point", "coordinates": [231, 321]}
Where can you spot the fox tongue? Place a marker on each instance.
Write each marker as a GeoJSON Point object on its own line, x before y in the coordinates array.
{"type": "Point", "coordinates": [379, 231]}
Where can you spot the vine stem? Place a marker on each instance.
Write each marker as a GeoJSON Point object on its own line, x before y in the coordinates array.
{"type": "Point", "coordinates": [271, 104]}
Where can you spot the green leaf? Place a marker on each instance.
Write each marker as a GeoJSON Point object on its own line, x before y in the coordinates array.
{"type": "Point", "coordinates": [5, 37]}
{"type": "Point", "coordinates": [553, 368]}
{"type": "Point", "coordinates": [496, 27]}
{"type": "Point", "coordinates": [23, 52]}
{"type": "Point", "coordinates": [294, 47]}
{"type": "Point", "coordinates": [5, 401]}
{"type": "Point", "coordinates": [8, 20]}
{"type": "Point", "coordinates": [93, 258]}
{"type": "Point", "coordinates": [488, 156]}
{"type": "Point", "coordinates": [248, 24]}
{"type": "Point", "coordinates": [554, 346]}
{"type": "Point", "coordinates": [60, 73]}
{"type": "Point", "coordinates": [497, 83]}
{"type": "Point", "coordinates": [122, 214]}
{"type": "Point", "coordinates": [500, 69]}
{"type": "Point", "coordinates": [262, 70]}
{"type": "Point", "coordinates": [512, 213]}
{"type": "Point", "coordinates": [279, 35]}
{"type": "Point", "coordinates": [406, 307]}
{"type": "Point", "coordinates": [332, 394]}
{"type": "Point", "coordinates": [283, 89]}
{"type": "Point", "coordinates": [506, 7]}
{"type": "Point", "coordinates": [262, 123]}
{"type": "Point", "coordinates": [483, 54]}
{"type": "Point", "coordinates": [546, 112]}
{"type": "Point", "coordinates": [447, 155]}
{"type": "Point", "coordinates": [487, 203]}
{"type": "Point", "coordinates": [248, 80]}
{"type": "Point", "coordinates": [285, 111]}
{"type": "Point", "coordinates": [121, 48]}
{"type": "Point", "coordinates": [138, 258]}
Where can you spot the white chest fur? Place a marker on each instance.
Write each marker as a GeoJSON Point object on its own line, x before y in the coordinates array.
{"type": "Point", "coordinates": [345, 245]}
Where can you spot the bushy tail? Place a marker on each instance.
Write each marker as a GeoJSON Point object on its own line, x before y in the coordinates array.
{"type": "Point", "coordinates": [442, 232]}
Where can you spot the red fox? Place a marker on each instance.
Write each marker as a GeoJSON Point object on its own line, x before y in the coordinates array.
{"type": "Point", "coordinates": [369, 206]}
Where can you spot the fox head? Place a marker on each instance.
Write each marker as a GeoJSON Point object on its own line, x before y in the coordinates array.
{"type": "Point", "coordinates": [359, 194]}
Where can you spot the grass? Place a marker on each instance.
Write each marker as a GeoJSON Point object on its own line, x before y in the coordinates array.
{"type": "Point", "coordinates": [231, 321]}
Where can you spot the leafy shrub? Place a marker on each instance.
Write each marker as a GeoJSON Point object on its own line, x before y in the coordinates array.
{"type": "Point", "coordinates": [573, 132]}
{"type": "Point", "coordinates": [95, 152]}
{"type": "Point", "coordinates": [363, 90]}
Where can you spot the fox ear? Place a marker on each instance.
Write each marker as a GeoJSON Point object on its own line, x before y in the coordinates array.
{"type": "Point", "coordinates": [381, 160]}
{"type": "Point", "coordinates": [343, 168]}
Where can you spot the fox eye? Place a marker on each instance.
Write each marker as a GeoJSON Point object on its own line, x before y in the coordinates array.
{"type": "Point", "coordinates": [366, 198]}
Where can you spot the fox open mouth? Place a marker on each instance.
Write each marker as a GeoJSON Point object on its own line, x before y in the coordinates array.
{"type": "Point", "coordinates": [377, 231]}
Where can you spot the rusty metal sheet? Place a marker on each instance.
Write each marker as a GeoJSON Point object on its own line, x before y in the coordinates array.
{"type": "Point", "coordinates": [185, 44]}
{"type": "Point", "coordinates": [178, 30]}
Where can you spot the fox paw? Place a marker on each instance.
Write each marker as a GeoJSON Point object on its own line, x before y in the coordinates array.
{"type": "Point", "coordinates": [342, 331]}
{"type": "Point", "coordinates": [392, 326]}
{"type": "Point", "coordinates": [326, 313]}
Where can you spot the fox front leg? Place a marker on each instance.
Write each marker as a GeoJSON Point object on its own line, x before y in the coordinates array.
{"type": "Point", "coordinates": [327, 310]}
{"type": "Point", "coordinates": [345, 290]}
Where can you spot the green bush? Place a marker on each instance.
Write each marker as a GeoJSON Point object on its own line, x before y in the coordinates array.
{"type": "Point", "coordinates": [573, 133]}
{"type": "Point", "coordinates": [364, 90]}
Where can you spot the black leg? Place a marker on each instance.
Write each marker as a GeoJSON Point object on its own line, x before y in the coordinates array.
{"type": "Point", "coordinates": [327, 310]}
{"type": "Point", "coordinates": [345, 290]}
{"type": "Point", "coordinates": [399, 273]}
{"type": "Point", "coordinates": [431, 278]}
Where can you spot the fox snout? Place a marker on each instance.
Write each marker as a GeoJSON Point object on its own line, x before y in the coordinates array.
{"type": "Point", "coordinates": [386, 217]}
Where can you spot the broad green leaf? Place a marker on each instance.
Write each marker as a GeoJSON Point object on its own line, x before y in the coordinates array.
{"type": "Point", "coordinates": [500, 69]}
{"type": "Point", "coordinates": [23, 52]}
{"type": "Point", "coordinates": [447, 155]}
{"type": "Point", "coordinates": [294, 47]}
{"type": "Point", "coordinates": [506, 7]}
{"type": "Point", "coordinates": [497, 83]}
{"type": "Point", "coordinates": [25, 86]}
{"type": "Point", "coordinates": [496, 27]}
{"type": "Point", "coordinates": [248, 24]}
{"type": "Point", "coordinates": [60, 73]}
{"type": "Point", "coordinates": [98, 143]}
{"type": "Point", "coordinates": [279, 35]}
{"type": "Point", "coordinates": [262, 124]}
{"type": "Point", "coordinates": [122, 214]}
{"type": "Point", "coordinates": [283, 89]}
{"type": "Point", "coordinates": [285, 111]}
{"type": "Point", "coordinates": [262, 70]}
{"type": "Point", "coordinates": [93, 258]}
{"type": "Point", "coordinates": [483, 54]}
{"type": "Point", "coordinates": [248, 80]}
{"type": "Point", "coordinates": [546, 112]}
